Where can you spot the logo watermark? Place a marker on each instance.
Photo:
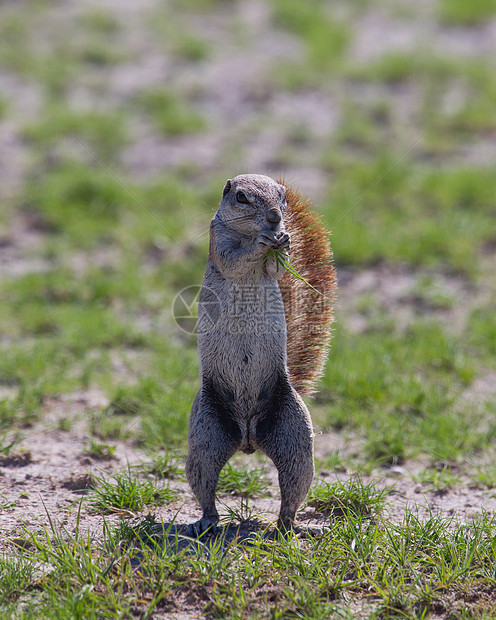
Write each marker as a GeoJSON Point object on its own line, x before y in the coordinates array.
{"type": "Point", "coordinates": [246, 309]}
{"type": "Point", "coordinates": [186, 305]}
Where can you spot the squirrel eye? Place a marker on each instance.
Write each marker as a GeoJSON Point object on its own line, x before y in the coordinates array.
{"type": "Point", "coordinates": [241, 197]}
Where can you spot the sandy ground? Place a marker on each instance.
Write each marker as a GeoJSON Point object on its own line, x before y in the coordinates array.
{"type": "Point", "coordinates": [48, 474]}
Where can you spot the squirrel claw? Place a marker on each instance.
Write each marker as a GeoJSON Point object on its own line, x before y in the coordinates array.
{"type": "Point", "coordinates": [200, 528]}
{"type": "Point", "coordinates": [268, 239]}
{"type": "Point", "coordinates": [275, 241]}
{"type": "Point", "coordinates": [284, 240]}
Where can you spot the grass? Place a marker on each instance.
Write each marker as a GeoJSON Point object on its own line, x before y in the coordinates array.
{"type": "Point", "coordinates": [99, 21]}
{"type": "Point", "coordinates": [163, 467]}
{"type": "Point", "coordinates": [173, 33]}
{"type": "Point", "coordinates": [125, 492]}
{"type": "Point", "coordinates": [399, 67]}
{"type": "Point", "coordinates": [70, 52]}
{"type": "Point", "coordinates": [100, 451]}
{"type": "Point", "coordinates": [419, 400]}
{"type": "Point", "coordinates": [351, 498]}
{"type": "Point", "coordinates": [83, 202]}
{"type": "Point", "coordinates": [16, 574]}
{"type": "Point", "coordinates": [3, 107]}
{"type": "Point", "coordinates": [21, 410]}
{"type": "Point", "coordinates": [324, 37]}
{"type": "Point", "coordinates": [440, 478]}
{"type": "Point", "coordinates": [429, 225]}
{"type": "Point", "coordinates": [242, 482]}
{"type": "Point", "coordinates": [169, 113]}
{"type": "Point", "coordinates": [93, 252]}
{"type": "Point", "coordinates": [459, 13]}
{"type": "Point", "coordinates": [158, 408]}
{"type": "Point", "coordinates": [485, 477]}
{"type": "Point", "coordinates": [78, 132]}
{"type": "Point", "coordinates": [413, 567]}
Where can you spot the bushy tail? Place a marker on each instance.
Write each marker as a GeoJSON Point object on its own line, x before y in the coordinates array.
{"type": "Point", "coordinates": [308, 305]}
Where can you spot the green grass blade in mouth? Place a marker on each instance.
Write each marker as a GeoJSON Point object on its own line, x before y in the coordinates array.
{"type": "Point", "coordinates": [285, 263]}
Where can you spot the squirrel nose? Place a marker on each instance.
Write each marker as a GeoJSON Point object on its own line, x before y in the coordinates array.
{"type": "Point", "coordinates": [274, 216]}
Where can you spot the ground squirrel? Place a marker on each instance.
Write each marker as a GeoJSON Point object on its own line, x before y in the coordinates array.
{"type": "Point", "coordinates": [262, 340]}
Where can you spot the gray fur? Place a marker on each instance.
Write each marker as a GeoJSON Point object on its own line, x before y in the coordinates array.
{"type": "Point", "coordinates": [246, 401]}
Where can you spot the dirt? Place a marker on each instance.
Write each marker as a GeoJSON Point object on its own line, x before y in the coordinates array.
{"type": "Point", "coordinates": [48, 473]}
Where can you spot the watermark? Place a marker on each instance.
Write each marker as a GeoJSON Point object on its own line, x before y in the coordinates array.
{"type": "Point", "coordinates": [245, 308]}
{"type": "Point", "coordinates": [186, 308]}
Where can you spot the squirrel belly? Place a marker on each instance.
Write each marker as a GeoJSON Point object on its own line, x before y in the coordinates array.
{"type": "Point", "coordinates": [242, 345]}
{"type": "Point", "coordinates": [241, 338]}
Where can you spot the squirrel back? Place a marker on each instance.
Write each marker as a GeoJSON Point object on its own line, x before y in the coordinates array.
{"type": "Point", "coordinates": [308, 309]}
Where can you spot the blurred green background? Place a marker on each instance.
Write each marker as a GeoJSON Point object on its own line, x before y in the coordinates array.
{"type": "Point", "coordinates": [119, 123]}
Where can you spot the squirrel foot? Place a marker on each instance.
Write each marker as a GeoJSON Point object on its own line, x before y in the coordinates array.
{"type": "Point", "coordinates": [286, 527]}
{"type": "Point", "coordinates": [201, 527]}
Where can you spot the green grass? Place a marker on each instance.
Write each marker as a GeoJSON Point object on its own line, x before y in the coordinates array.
{"type": "Point", "coordinates": [100, 21]}
{"type": "Point", "coordinates": [324, 40]}
{"type": "Point", "coordinates": [242, 482]}
{"type": "Point", "coordinates": [481, 331]}
{"type": "Point", "coordinates": [459, 13]}
{"type": "Point", "coordinates": [3, 107]}
{"type": "Point", "coordinates": [434, 217]}
{"type": "Point", "coordinates": [190, 48]}
{"type": "Point", "coordinates": [351, 498]}
{"type": "Point", "coordinates": [13, 30]}
{"type": "Point", "coordinates": [401, 390]}
{"type": "Point", "coordinates": [159, 403]}
{"type": "Point", "coordinates": [126, 492]}
{"type": "Point", "coordinates": [169, 113]}
{"type": "Point", "coordinates": [22, 410]}
{"type": "Point", "coordinates": [172, 31]}
{"type": "Point", "coordinates": [81, 131]}
{"type": "Point", "coordinates": [440, 478]}
{"type": "Point", "coordinates": [485, 477]}
{"type": "Point", "coordinates": [83, 202]}
{"type": "Point", "coordinates": [164, 467]}
{"type": "Point", "coordinates": [434, 128]}
{"type": "Point", "coordinates": [412, 567]}
{"type": "Point", "coordinates": [324, 36]}
{"type": "Point", "coordinates": [393, 68]}
{"type": "Point", "coordinates": [16, 574]}
{"type": "Point", "coordinates": [72, 49]}
{"type": "Point", "coordinates": [99, 451]}
{"type": "Point", "coordinates": [90, 206]}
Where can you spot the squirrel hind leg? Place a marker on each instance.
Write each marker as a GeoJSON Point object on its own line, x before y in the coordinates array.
{"type": "Point", "coordinates": [289, 444]}
{"type": "Point", "coordinates": [211, 445]}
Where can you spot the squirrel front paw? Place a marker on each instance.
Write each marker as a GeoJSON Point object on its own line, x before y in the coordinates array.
{"type": "Point", "coordinates": [275, 240]}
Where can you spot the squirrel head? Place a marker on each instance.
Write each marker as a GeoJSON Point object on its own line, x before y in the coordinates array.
{"type": "Point", "coordinates": [252, 203]}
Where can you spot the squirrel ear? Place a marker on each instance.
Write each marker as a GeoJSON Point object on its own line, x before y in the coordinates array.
{"type": "Point", "coordinates": [227, 187]}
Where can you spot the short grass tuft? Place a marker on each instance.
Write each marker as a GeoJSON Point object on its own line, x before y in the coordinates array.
{"type": "Point", "coordinates": [126, 492]}
{"type": "Point", "coordinates": [100, 451]}
{"type": "Point", "coordinates": [163, 467]}
{"type": "Point", "coordinates": [242, 482]}
{"type": "Point", "coordinates": [351, 497]}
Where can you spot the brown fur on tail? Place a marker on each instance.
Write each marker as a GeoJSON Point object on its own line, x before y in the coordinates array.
{"type": "Point", "coordinates": [308, 311]}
